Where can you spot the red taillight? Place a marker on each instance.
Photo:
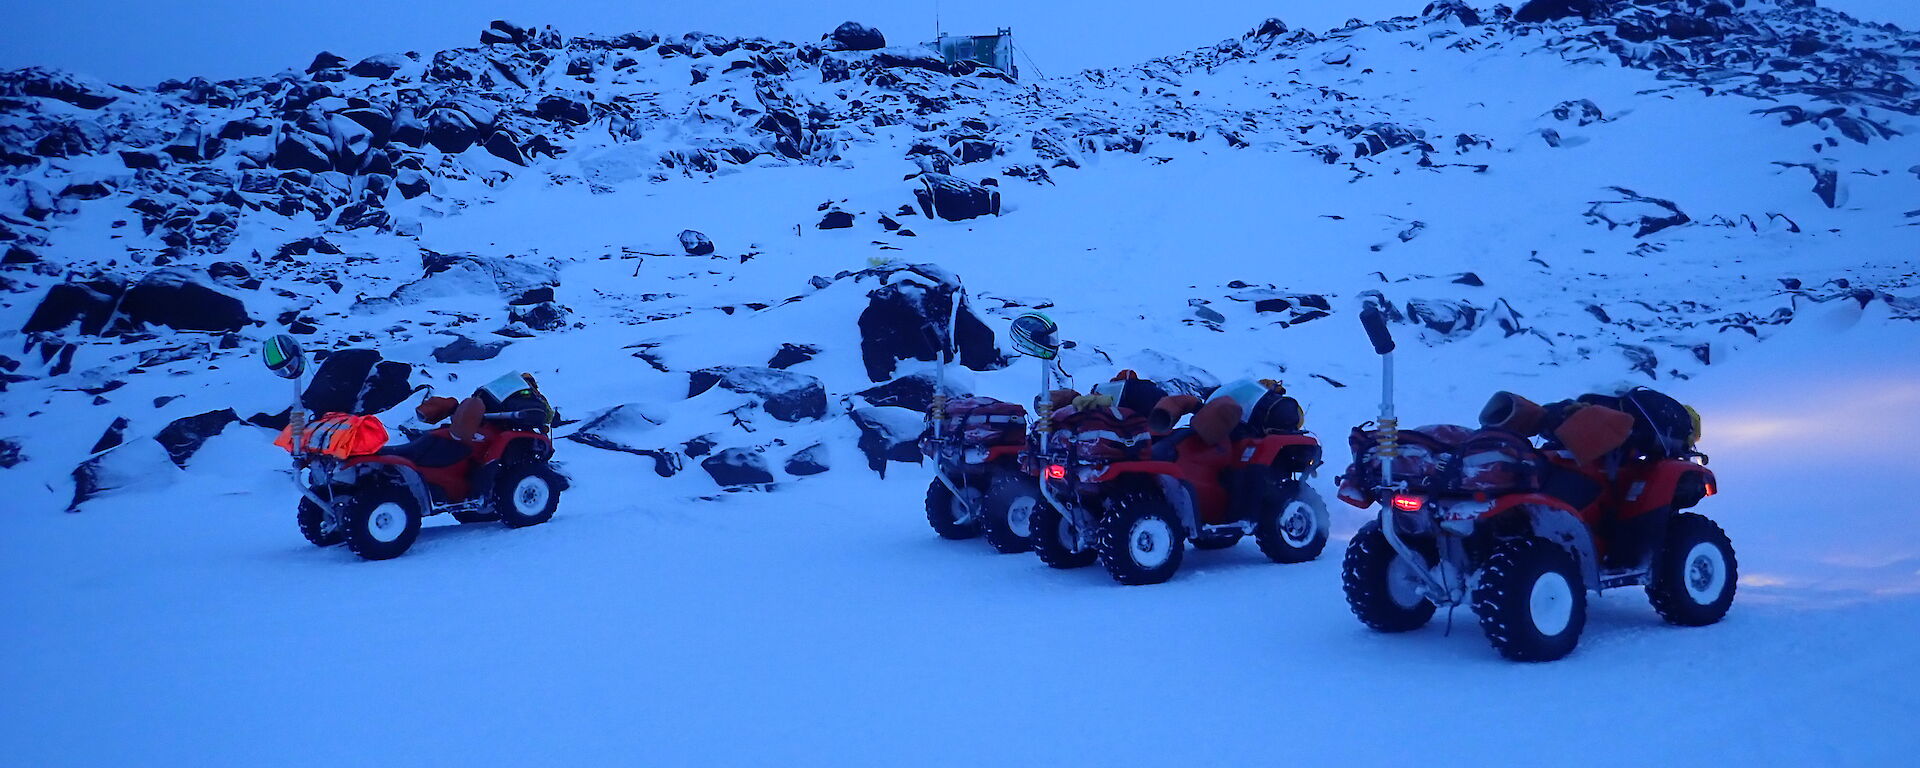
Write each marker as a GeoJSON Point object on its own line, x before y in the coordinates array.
{"type": "Point", "coordinates": [1407, 503]}
{"type": "Point", "coordinates": [1056, 472]}
{"type": "Point", "coordinates": [1711, 490]}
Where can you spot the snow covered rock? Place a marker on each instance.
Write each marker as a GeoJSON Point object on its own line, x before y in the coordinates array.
{"type": "Point", "coordinates": [183, 437]}
{"type": "Point", "coordinates": [913, 392]}
{"type": "Point", "coordinates": [955, 199]}
{"type": "Point", "coordinates": [381, 66]}
{"type": "Point", "coordinates": [791, 355]}
{"type": "Point", "coordinates": [60, 86]}
{"type": "Point", "coordinates": [695, 243]}
{"type": "Point", "coordinates": [628, 428]}
{"type": "Point", "coordinates": [889, 434]}
{"type": "Point", "coordinates": [854, 36]}
{"type": "Point", "coordinates": [811, 460]}
{"type": "Point", "coordinates": [908, 318]}
{"type": "Point", "coordinates": [784, 395]}
{"type": "Point", "coordinates": [521, 283]}
{"type": "Point", "coordinates": [356, 381]}
{"type": "Point", "coordinates": [463, 349]}
{"type": "Point", "coordinates": [1646, 215]}
{"type": "Point", "coordinates": [1548, 10]}
{"type": "Point", "coordinates": [737, 467]}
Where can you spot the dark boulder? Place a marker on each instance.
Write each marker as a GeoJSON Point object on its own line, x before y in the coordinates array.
{"type": "Point", "coordinates": [908, 319]}
{"type": "Point", "coordinates": [853, 36]}
{"type": "Point", "coordinates": [177, 299]}
{"type": "Point", "coordinates": [380, 66]}
{"type": "Point", "coordinates": [695, 243]}
{"type": "Point", "coordinates": [738, 466]}
{"type": "Point", "coordinates": [976, 150]}
{"type": "Point", "coordinates": [183, 437]}
{"type": "Point", "coordinates": [888, 434]}
{"type": "Point", "coordinates": [501, 144]}
{"type": "Point", "coordinates": [783, 394]}
{"type": "Point", "coordinates": [324, 61]}
{"type": "Point", "coordinates": [502, 32]}
{"type": "Point", "coordinates": [955, 199]}
{"type": "Point", "coordinates": [792, 354]}
{"type": "Point", "coordinates": [463, 349]}
{"type": "Point", "coordinates": [836, 220]}
{"type": "Point", "coordinates": [454, 125]}
{"type": "Point", "coordinates": [563, 109]}
{"type": "Point", "coordinates": [60, 86]}
{"type": "Point", "coordinates": [144, 159]}
{"type": "Point", "coordinates": [303, 150]}
{"type": "Point", "coordinates": [1549, 10]}
{"type": "Point", "coordinates": [357, 381]}
{"type": "Point", "coordinates": [913, 392]}
{"type": "Point", "coordinates": [11, 456]}
{"type": "Point", "coordinates": [88, 480]}
{"type": "Point", "coordinates": [90, 303]}
{"type": "Point", "coordinates": [540, 316]}
{"type": "Point", "coordinates": [811, 460]}
{"type": "Point", "coordinates": [71, 140]}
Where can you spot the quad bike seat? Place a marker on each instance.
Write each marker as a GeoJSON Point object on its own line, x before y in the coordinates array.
{"type": "Point", "coordinates": [430, 450]}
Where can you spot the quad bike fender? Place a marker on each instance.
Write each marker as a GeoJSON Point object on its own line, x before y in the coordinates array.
{"type": "Point", "coordinates": [377, 472]}
{"type": "Point", "coordinates": [1553, 520]}
{"type": "Point", "coordinates": [1670, 483]}
{"type": "Point", "coordinates": [1004, 453]}
{"type": "Point", "coordinates": [520, 446]}
{"type": "Point", "coordinates": [1294, 453]}
{"type": "Point", "coordinates": [1117, 469]}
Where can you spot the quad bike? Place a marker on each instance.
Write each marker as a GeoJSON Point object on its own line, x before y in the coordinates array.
{"type": "Point", "coordinates": [1524, 553]}
{"type": "Point", "coordinates": [979, 486]}
{"type": "Point", "coordinates": [1101, 498]}
{"type": "Point", "coordinates": [492, 462]}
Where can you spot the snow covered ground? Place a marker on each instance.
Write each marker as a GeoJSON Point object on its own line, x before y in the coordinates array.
{"type": "Point", "coordinates": [180, 619]}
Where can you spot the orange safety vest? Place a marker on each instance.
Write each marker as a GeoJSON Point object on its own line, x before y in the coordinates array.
{"type": "Point", "coordinates": [339, 435]}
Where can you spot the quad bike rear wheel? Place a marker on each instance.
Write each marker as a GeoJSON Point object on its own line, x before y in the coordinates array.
{"type": "Point", "coordinates": [948, 514]}
{"type": "Point", "coordinates": [381, 521]}
{"type": "Point", "coordinates": [1141, 539]}
{"type": "Point", "coordinates": [1293, 525]}
{"type": "Point", "coordinates": [1053, 539]}
{"type": "Point", "coordinates": [1383, 589]}
{"type": "Point", "coordinates": [314, 525]}
{"type": "Point", "coordinates": [1008, 512]}
{"type": "Point", "coordinates": [1695, 575]}
{"type": "Point", "coordinates": [1531, 600]}
{"type": "Point", "coordinates": [525, 494]}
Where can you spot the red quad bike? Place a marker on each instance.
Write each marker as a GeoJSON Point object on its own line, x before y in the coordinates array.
{"type": "Point", "coordinates": [1106, 497]}
{"type": "Point", "coordinates": [975, 444]}
{"type": "Point", "coordinates": [491, 463]}
{"type": "Point", "coordinates": [1520, 534]}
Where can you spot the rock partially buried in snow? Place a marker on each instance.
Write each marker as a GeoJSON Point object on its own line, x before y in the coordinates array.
{"type": "Point", "coordinates": [735, 467]}
{"type": "Point", "coordinates": [785, 395]}
{"type": "Point", "coordinates": [811, 460]}
{"type": "Point", "coordinates": [889, 434]}
{"type": "Point", "coordinates": [463, 349]}
{"type": "Point", "coordinates": [908, 319]}
{"type": "Point", "coordinates": [955, 199]}
{"type": "Point", "coordinates": [695, 243]}
{"type": "Point", "coordinates": [183, 437]}
{"type": "Point", "coordinates": [356, 381]}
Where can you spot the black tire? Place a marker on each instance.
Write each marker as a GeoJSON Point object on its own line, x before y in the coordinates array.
{"type": "Point", "coordinates": [1382, 597]}
{"type": "Point", "coordinates": [1007, 515]}
{"type": "Point", "coordinates": [313, 525]}
{"type": "Point", "coordinates": [1141, 539]}
{"type": "Point", "coordinates": [1216, 540]}
{"type": "Point", "coordinates": [382, 521]}
{"type": "Point", "coordinates": [1524, 588]}
{"type": "Point", "coordinates": [1695, 576]}
{"type": "Point", "coordinates": [947, 515]}
{"type": "Point", "coordinates": [1051, 540]}
{"type": "Point", "coordinates": [525, 494]}
{"type": "Point", "coordinates": [1293, 525]}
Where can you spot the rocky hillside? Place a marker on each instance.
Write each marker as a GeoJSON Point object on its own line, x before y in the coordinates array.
{"type": "Point", "coordinates": [538, 201]}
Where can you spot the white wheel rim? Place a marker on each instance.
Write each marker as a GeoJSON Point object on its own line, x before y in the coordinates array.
{"type": "Point", "coordinates": [530, 495]}
{"type": "Point", "coordinates": [1150, 542]}
{"type": "Point", "coordinates": [1403, 583]}
{"type": "Point", "coordinates": [1704, 573]}
{"type": "Point", "coordinates": [1020, 517]}
{"type": "Point", "coordinates": [1551, 604]}
{"type": "Point", "coordinates": [387, 522]}
{"type": "Point", "coordinates": [1298, 525]}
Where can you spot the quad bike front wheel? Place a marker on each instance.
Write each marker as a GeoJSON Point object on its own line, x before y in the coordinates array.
{"type": "Point", "coordinates": [1141, 540]}
{"type": "Point", "coordinates": [949, 514]}
{"type": "Point", "coordinates": [1695, 575]}
{"type": "Point", "coordinates": [1531, 600]}
{"type": "Point", "coordinates": [1293, 527]}
{"type": "Point", "coordinates": [1007, 515]}
{"type": "Point", "coordinates": [381, 522]}
{"type": "Point", "coordinates": [1383, 588]}
{"type": "Point", "coordinates": [314, 525]}
{"type": "Point", "coordinates": [1054, 539]}
{"type": "Point", "coordinates": [525, 494]}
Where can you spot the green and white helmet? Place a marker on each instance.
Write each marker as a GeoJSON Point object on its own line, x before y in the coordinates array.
{"type": "Point", "coordinates": [1036, 335]}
